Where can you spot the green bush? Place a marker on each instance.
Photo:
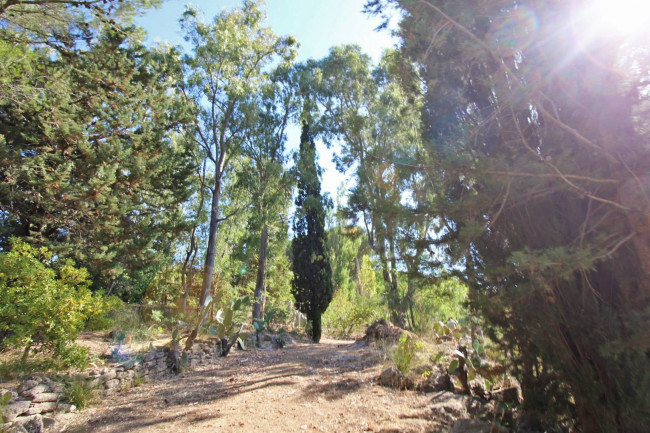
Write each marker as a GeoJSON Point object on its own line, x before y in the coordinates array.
{"type": "Point", "coordinates": [404, 353]}
{"type": "Point", "coordinates": [44, 301]}
{"type": "Point", "coordinates": [344, 315]}
{"type": "Point", "coordinates": [79, 392]}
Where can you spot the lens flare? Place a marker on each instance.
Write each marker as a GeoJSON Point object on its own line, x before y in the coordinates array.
{"type": "Point", "coordinates": [623, 17]}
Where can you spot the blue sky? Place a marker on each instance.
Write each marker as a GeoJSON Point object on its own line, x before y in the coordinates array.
{"type": "Point", "coordinates": [316, 24]}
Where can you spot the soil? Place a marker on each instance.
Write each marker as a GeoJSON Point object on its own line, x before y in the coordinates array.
{"type": "Point", "coordinates": [330, 387]}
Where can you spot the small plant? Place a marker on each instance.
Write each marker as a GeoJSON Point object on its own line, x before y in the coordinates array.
{"type": "Point", "coordinates": [138, 380]}
{"type": "Point", "coordinates": [4, 402]}
{"type": "Point", "coordinates": [228, 329]}
{"type": "Point", "coordinates": [79, 392]}
{"type": "Point", "coordinates": [405, 352]}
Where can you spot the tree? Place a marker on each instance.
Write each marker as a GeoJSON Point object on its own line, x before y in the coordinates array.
{"type": "Point", "coordinates": [375, 114]}
{"type": "Point", "coordinates": [225, 68]}
{"type": "Point", "coordinates": [312, 273]}
{"type": "Point", "coordinates": [535, 120]}
{"type": "Point", "coordinates": [267, 180]}
{"type": "Point", "coordinates": [89, 162]}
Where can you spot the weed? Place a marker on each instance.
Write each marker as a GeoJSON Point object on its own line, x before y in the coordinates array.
{"type": "Point", "coordinates": [138, 380]}
{"type": "Point", "coordinates": [79, 392]}
{"type": "Point", "coordinates": [404, 353]}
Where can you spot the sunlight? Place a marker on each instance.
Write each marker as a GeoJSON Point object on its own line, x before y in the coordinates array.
{"type": "Point", "coordinates": [624, 17]}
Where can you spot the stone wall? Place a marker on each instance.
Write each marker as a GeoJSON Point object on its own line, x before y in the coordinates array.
{"type": "Point", "coordinates": [41, 395]}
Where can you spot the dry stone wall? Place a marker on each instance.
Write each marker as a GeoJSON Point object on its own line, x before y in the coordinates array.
{"type": "Point", "coordinates": [41, 395]}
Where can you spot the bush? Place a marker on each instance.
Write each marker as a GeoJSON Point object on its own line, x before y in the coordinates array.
{"type": "Point", "coordinates": [79, 393]}
{"type": "Point", "coordinates": [345, 316]}
{"type": "Point", "coordinates": [404, 353]}
{"type": "Point", "coordinates": [44, 301]}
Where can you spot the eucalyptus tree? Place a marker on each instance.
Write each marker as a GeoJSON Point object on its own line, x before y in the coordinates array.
{"type": "Point", "coordinates": [375, 115]}
{"type": "Point", "coordinates": [538, 120]}
{"type": "Point", "coordinates": [266, 177]}
{"type": "Point", "coordinates": [227, 64]}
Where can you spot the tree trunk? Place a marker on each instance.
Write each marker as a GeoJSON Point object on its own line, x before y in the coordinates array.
{"type": "Point", "coordinates": [259, 284]}
{"type": "Point", "coordinates": [261, 273]}
{"type": "Point", "coordinates": [316, 327]}
{"type": "Point", "coordinates": [211, 253]}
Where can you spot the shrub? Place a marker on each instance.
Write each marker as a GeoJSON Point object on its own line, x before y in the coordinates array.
{"type": "Point", "coordinates": [404, 353]}
{"type": "Point", "coordinates": [44, 301]}
{"type": "Point", "coordinates": [79, 392]}
{"type": "Point", "coordinates": [347, 314]}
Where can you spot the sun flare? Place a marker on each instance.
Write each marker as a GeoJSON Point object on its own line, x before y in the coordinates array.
{"type": "Point", "coordinates": [623, 17]}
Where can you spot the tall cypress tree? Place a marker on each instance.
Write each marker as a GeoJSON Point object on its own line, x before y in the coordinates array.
{"type": "Point", "coordinates": [312, 275]}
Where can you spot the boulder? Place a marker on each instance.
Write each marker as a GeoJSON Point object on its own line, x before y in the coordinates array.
{"type": "Point", "coordinates": [32, 424]}
{"type": "Point", "coordinates": [49, 423]}
{"type": "Point", "coordinates": [438, 380]}
{"type": "Point", "coordinates": [39, 408]}
{"type": "Point", "coordinates": [477, 426]}
{"type": "Point", "coordinates": [393, 378]}
{"type": "Point", "coordinates": [33, 392]}
{"type": "Point", "coordinates": [46, 396]}
{"type": "Point", "coordinates": [11, 411]}
{"type": "Point", "coordinates": [382, 330]}
{"type": "Point", "coordinates": [27, 385]}
{"type": "Point", "coordinates": [110, 384]}
{"type": "Point", "coordinates": [511, 395]}
{"type": "Point", "coordinates": [449, 407]}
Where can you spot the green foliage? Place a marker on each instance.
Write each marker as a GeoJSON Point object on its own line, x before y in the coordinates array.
{"type": "Point", "coordinates": [405, 352]}
{"type": "Point", "coordinates": [539, 158]}
{"type": "Point", "coordinates": [4, 402]}
{"type": "Point", "coordinates": [234, 49]}
{"type": "Point", "coordinates": [79, 393]}
{"type": "Point", "coordinates": [446, 299]}
{"type": "Point", "coordinates": [45, 302]}
{"type": "Point", "coordinates": [312, 274]}
{"type": "Point", "coordinates": [93, 139]}
{"type": "Point", "coordinates": [348, 314]}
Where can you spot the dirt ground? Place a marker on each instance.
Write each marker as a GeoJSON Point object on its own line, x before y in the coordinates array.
{"type": "Point", "coordinates": [328, 387]}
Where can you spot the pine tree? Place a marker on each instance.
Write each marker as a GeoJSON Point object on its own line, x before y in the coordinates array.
{"type": "Point", "coordinates": [89, 164]}
{"type": "Point", "coordinates": [312, 274]}
{"type": "Point", "coordinates": [544, 153]}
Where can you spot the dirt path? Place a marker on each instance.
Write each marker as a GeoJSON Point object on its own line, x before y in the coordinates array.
{"type": "Point", "coordinates": [327, 387]}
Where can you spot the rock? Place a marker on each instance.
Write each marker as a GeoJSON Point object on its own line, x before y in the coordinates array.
{"type": "Point", "coordinates": [49, 423]}
{"type": "Point", "coordinates": [27, 385]}
{"type": "Point", "coordinates": [46, 396]}
{"type": "Point", "coordinates": [477, 426]}
{"type": "Point", "coordinates": [14, 395]}
{"type": "Point", "coordinates": [95, 383]}
{"type": "Point", "coordinates": [11, 411]}
{"type": "Point", "coordinates": [449, 407]}
{"type": "Point", "coordinates": [38, 389]}
{"type": "Point", "coordinates": [510, 395]}
{"type": "Point", "coordinates": [33, 424]}
{"type": "Point", "coordinates": [393, 378]}
{"type": "Point", "coordinates": [108, 374]}
{"type": "Point", "coordinates": [382, 330]}
{"type": "Point", "coordinates": [67, 408]}
{"type": "Point", "coordinates": [347, 358]}
{"type": "Point", "coordinates": [110, 384]}
{"type": "Point", "coordinates": [39, 408]}
{"type": "Point", "coordinates": [16, 428]}
{"type": "Point", "coordinates": [438, 380]}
